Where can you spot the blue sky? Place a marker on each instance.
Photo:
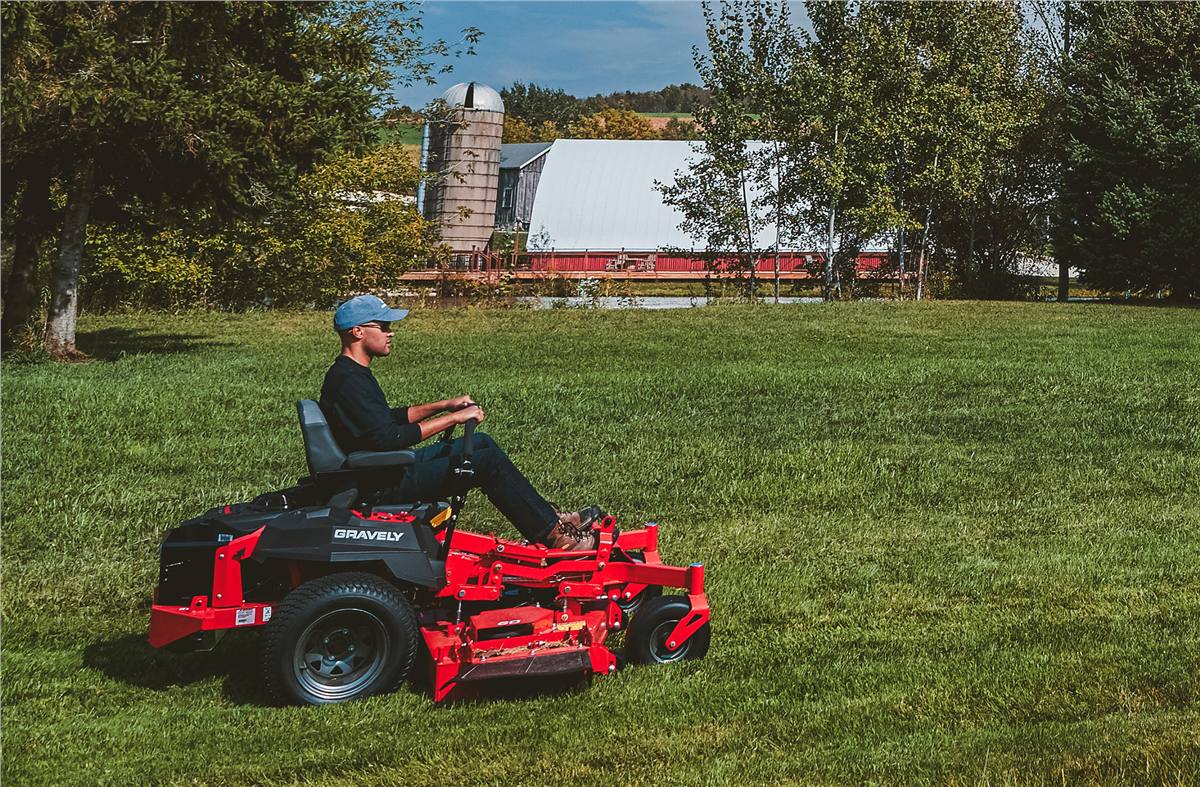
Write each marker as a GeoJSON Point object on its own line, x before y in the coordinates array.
{"type": "Point", "coordinates": [584, 47]}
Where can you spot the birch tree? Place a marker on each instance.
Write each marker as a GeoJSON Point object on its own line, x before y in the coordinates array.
{"type": "Point", "coordinates": [715, 194]}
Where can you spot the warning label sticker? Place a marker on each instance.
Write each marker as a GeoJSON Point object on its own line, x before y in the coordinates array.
{"type": "Point", "coordinates": [244, 617]}
{"type": "Point", "coordinates": [266, 614]}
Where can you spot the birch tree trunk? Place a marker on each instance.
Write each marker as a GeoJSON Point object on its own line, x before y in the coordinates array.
{"type": "Point", "coordinates": [828, 289]}
{"type": "Point", "coordinates": [778, 216]}
{"type": "Point", "coordinates": [924, 251]}
{"type": "Point", "coordinates": [972, 277]}
{"type": "Point", "coordinates": [749, 237]}
{"type": "Point", "coordinates": [925, 238]}
{"type": "Point", "coordinates": [829, 254]}
{"type": "Point", "coordinates": [1064, 268]}
{"type": "Point", "coordinates": [64, 294]}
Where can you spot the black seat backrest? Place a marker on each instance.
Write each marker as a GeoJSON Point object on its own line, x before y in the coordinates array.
{"type": "Point", "coordinates": [320, 448]}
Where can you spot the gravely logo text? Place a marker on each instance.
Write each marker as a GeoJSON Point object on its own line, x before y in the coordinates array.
{"type": "Point", "coordinates": [368, 535]}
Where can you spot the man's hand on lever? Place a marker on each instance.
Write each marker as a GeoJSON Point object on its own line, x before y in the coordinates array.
{"type": "Point", "coordinates": [440, 423]}
{"type": "Point", "coordinates": [458, 403]}
{"type": "Point", "coordinates": [467, 413]}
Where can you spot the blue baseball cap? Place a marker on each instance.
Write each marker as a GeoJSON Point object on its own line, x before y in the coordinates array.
{"type": "Point", "coordinates": [364, 308]}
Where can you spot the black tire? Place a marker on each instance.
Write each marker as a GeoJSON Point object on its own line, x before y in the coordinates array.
{"type": "Point", "coordinates": [629, 608]}
{"type": "Point", "coordinates": [339, 638]}
{"type": "Point", "coordinates": [645, 641]}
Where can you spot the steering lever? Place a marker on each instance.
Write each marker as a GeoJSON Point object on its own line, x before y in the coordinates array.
{"type": "Point", "coordinates": [465, 467]}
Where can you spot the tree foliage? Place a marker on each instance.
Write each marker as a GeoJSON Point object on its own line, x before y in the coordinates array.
{"type": "Point", "coordinates": [516, 130]}
{"type": "Point", "coordinates": [1132, 188]}
{"type": "Point", "coordinates": [613, 124]}
{"type": "Point", "coordinates": [344, 227]}
{"type": "Point", "coordinates": [536, 105]}
{"type": "Point", "coordinates": [904, 123]}
{"type": "Point", "coordinates": [185, 110]}
{"type": "Point", "coordinates": [684, 98]}
{"type": "Point", "coordinates": [679, 128]}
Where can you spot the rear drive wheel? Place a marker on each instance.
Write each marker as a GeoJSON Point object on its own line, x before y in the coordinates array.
{"type": "Point", "coordinates": [338, 638]}
{"type": "Point", "coordinates": [646, 639]}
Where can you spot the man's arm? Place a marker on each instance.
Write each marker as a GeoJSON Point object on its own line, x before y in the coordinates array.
{"type": "Point", "coordinates": [419, 412]}
{"type": "Point", "coordinates": [440, 423]}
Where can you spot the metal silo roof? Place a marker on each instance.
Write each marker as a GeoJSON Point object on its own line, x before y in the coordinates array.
{"type": "Point", "coordinates": [473, 95]}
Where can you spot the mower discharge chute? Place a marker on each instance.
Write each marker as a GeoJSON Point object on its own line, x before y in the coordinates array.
{"type": "Point", "coordinates": [348, 594]}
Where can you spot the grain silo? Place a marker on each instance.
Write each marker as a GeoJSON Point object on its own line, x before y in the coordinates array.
{"type": "Point", "coordinates": [464, 151]}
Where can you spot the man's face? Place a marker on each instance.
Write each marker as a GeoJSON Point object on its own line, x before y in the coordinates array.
{"type": "Point", "coordinates": [376, 338]}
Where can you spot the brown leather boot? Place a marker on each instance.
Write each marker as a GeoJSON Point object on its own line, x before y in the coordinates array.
{"type": "Point", "coordinates": [581, 519]}
{"type": "Point", "coordinates": [566, 536]}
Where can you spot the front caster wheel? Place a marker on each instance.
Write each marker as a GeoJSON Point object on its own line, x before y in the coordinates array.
{"type": "Point", "coordinates": [338, 638]}
{"type": "Point", "coordinates": [646, 640]}
{"type": "Point", "coordinates": [630, 608]}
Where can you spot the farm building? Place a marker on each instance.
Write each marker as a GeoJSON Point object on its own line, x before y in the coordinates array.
{"type": "Point", "coordinates": [586, 204]}
{"type": "Point", "coordinates": [520, 169]}
{"type": "Point", "coordinates": [598, 208]}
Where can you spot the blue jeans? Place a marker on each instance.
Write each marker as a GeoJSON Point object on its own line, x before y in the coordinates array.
{"type": "Point", "coordinates": [432, 478]}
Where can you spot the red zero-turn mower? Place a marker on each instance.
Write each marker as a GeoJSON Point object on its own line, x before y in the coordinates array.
{"type": "Point", "coordinates": [346, 593]}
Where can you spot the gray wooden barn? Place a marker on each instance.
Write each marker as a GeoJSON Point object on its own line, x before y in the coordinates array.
{"type": "Point", "coordinates": [520, 168]}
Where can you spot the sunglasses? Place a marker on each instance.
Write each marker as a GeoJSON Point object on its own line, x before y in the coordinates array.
{"type": "Point", "coordinates": [386, 327]}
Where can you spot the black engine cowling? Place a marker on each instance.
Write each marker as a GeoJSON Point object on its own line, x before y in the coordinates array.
{"type": "Point", "coordinates": [399, 537]}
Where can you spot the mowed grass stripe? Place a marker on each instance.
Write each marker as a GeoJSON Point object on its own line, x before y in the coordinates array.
{"type": "Point", "coordinates": [950, 542]}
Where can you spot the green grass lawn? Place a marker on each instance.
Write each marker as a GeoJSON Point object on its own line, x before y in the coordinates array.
{"type": "Point", "coordinates": [945, 542]}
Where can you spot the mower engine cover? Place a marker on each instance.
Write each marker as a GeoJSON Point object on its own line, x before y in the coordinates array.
{"type": "Point", "coordinates": [397, 536]}
{"type": "Point", "coordinates": [400, 537]}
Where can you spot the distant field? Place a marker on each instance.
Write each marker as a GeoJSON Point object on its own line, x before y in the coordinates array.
{"type": "Point", "coordinates": [404, 133]}
{"type": "Point", "coordinates": [945, 542]}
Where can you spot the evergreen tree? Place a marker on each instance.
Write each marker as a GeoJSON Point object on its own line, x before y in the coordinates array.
{"type": "Point", "coordinates": [1133, 156]}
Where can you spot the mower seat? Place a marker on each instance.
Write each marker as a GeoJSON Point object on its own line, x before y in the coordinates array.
{"type": "Point", "coordinates": [326, 458]}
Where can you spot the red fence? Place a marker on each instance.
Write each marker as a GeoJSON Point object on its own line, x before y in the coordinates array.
{"type": "Point", "coordinates": [571, 262]}
{"type": "Point", "coordinates": [646, 262]}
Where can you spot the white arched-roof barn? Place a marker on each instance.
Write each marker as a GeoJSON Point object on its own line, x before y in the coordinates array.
{"type": "Point", "coordinates": [600, 194]}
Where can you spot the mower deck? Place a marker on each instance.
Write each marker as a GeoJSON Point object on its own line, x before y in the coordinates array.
{"type": "Point", "coordinates": [565, 604]}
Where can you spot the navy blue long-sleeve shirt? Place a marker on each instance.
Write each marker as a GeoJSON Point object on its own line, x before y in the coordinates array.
{"type": "Point", "coordinates": [358, 412]}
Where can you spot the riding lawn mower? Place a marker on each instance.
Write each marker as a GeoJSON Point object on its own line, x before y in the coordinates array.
{"type": "Point", "coordinates": [348, 595]}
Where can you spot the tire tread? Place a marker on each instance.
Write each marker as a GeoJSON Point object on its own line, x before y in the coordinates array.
{"type": "Point", "coordinates": [311, 592]}
{"type": "Point", "coordinates": [652, 613]}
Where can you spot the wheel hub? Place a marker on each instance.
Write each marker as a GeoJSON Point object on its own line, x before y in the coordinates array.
{"type": "Point", "coordinates": [663, 651]}
{"type": "Point", "coordinates": [340, 652]}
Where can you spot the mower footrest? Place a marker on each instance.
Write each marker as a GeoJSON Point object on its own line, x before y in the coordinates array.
{"type": "Point", "coordinates": [573, 660]}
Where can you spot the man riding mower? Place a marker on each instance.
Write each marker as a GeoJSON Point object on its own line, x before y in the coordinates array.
{"type": "Point", "coordinates": [349, 591]}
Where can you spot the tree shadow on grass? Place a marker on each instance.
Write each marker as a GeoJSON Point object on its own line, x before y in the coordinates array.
{"type": "Point", "coordinates": [131, 660]}
{"type": "Point", "coordinates": [111, 344]}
